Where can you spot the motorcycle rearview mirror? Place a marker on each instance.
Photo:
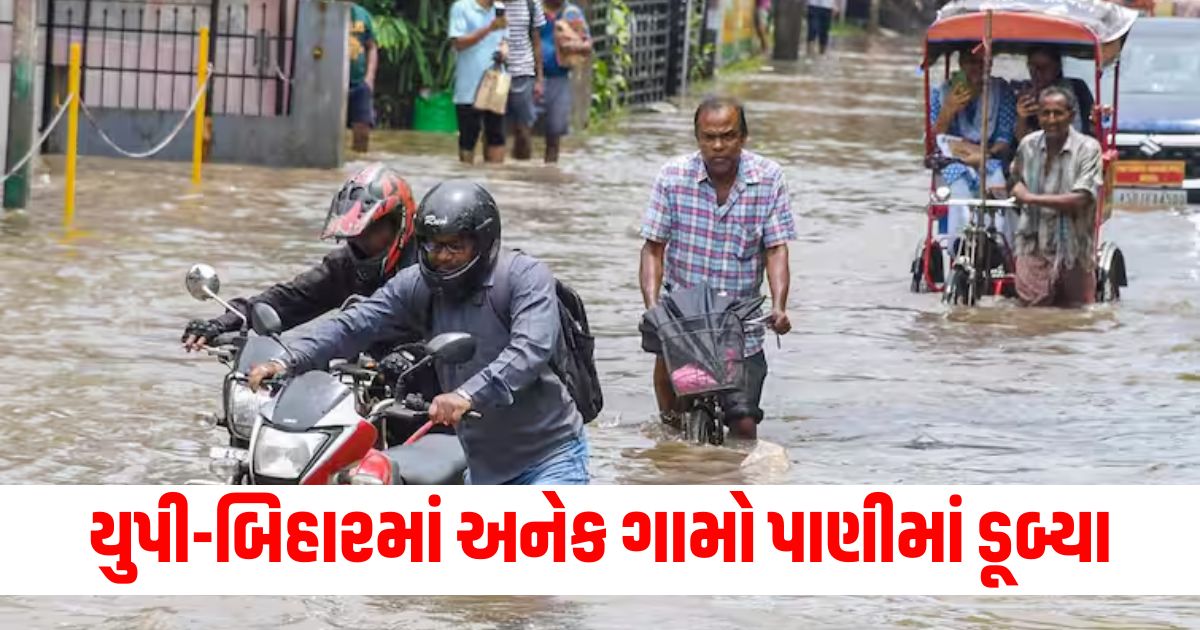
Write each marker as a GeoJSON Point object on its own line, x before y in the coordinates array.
{"type": "Point", "coordinates": [452, 347]}
{"type": "Point", "coordinates": [203, 283]}
{"type": "Point", "coordinates": [266, 320]}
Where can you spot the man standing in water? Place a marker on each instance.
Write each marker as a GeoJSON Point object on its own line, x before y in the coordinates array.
{"type": "Point", "coordinates": [1057, 175]}
{"type": "Point", "coordinates": [525, 18]}
{"type": "Point", "coordinates": [720, 216]}
{"type": "Point", "coordinates": [364, 59]}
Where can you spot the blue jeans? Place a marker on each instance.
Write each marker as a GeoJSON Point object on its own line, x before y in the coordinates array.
{"type": "Point", "coordinates": [566, 466]}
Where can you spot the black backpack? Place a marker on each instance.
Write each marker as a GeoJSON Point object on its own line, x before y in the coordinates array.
{"type": "Point", "coordinates": [573, 361]}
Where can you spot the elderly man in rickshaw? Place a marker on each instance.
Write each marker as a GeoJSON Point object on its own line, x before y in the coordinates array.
{"type": "Point", "coordinates": [1056, 178]}
{"type": "Point", "coordinates": [956, 113]}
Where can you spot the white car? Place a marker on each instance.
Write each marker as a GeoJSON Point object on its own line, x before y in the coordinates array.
{"type": "Point", "coordinates": [1158, 135]}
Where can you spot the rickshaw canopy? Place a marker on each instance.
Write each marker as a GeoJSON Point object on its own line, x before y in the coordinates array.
{"type": "Point", "coordinates": [1076, 27]}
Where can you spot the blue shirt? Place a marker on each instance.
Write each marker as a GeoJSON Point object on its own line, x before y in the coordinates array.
{"type": "Point", "coordinates": [466, 17]}
{"type": "Point", "coordinates": [527, 412]}
{"type": "Point", "coordinates": [575, 17]}
{"type": "Point", "coordinates": [1004, 130]}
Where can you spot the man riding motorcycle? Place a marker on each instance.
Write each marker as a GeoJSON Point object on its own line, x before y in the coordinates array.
{"type": "Point", "coordinates": [372, 215]}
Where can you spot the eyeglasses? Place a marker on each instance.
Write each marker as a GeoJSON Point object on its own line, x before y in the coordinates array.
{"type": "Point", "coordinates": [454, 248]}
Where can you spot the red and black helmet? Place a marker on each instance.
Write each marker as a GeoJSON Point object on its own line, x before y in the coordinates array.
{"type": "Point", "coordinates": [375, 193]}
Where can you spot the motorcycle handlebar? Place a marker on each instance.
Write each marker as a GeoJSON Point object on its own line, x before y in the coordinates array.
{"type": "Point", "coordinates": [224, 339]}
{"type": "Point", "coordinates": [356, 371]}
{"type": "Point", "coordinates": [274, 382]}
{"type": "Point", "coordinates": [400, 412]}
{"type": "Point", "coordinates": [221, 352]}
{"type": "Point", "coordinates": [1011, 202]}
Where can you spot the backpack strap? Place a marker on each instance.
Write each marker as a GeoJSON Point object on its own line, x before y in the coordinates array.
{"type": "Point", "coordinates": [500, 293]}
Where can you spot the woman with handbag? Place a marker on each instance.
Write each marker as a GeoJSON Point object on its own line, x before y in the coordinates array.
{"type": "Point", "coordinates": [566, 44]}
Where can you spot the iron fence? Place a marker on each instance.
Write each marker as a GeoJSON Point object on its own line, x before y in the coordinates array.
{"type": "Point", "coordinates": [660, 55]}
{"type": "Point", "coordinates": [142, 57]}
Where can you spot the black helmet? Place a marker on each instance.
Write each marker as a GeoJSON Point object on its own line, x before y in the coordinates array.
{"type": "Point", "coordinates": [459, 206]}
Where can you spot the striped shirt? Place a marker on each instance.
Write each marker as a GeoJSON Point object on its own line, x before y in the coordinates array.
{"type": "Point", "coordinates": [722, 246]}
{"type": "Point", "coordinates": [520, 47]}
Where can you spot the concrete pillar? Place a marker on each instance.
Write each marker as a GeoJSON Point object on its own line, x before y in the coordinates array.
{"type": "Point", "coordinates": [320, 80]}
{"type": "Point", "coordinates": [21, 105]}
{"type": "Point", "coordinates": [789, 29]}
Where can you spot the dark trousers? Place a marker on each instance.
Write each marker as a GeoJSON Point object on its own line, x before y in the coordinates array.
{"type": "Point", "coordinates": [819, 21]}
{"type": "Point", "coordinates": [745, 402]}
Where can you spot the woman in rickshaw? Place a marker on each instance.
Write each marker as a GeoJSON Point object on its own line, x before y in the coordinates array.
{"type": "Point", "coordinates": [956, 114]}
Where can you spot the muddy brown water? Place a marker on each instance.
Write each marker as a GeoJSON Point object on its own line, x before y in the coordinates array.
{"type": "Point", "coordinates": [876, 384]}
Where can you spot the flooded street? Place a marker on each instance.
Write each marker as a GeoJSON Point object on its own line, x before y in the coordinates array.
{"type": "Point", "coordinates": [875, 385]}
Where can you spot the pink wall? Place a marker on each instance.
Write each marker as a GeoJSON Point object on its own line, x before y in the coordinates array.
{"type": "Point", "coordinates": [132, 57]}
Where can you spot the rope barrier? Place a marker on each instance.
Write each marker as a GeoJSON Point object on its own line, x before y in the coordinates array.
{"type": "Point", "coordinates": [282, 77]}
{"type": "Point", "coordinates": [166, 141]}
{"type": "Point", "coordinates": [45, 134]}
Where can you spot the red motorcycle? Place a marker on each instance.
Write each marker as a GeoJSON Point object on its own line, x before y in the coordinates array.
{"type": "Point", "coordinates": [310, 430]}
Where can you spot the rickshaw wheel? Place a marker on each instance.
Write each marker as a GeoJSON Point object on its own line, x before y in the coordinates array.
{"type": "Point", "coordinates": [958, 290]}
{"type": "Point", "coordinates": [1107, 289]}
{"type": "Point", "coordinates": [917, 268]}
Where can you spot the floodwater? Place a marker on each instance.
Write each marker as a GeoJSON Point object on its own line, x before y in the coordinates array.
{"type": "Point", "coordinates": [875, 385]}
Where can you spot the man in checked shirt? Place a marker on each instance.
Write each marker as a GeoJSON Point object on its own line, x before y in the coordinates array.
{"type": "Point", "coordinates": [721, 216]}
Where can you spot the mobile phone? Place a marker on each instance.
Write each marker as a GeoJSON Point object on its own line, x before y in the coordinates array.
{"type": "Point", "coordinates": [499, 8]}
{"type": "Point", "coordinates": [958, 80]}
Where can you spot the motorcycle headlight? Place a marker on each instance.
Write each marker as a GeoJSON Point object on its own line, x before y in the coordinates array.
{"type": "Point", "coordinates": [284, 455]}
{"type": "Point", "coordinates": [243, 406]}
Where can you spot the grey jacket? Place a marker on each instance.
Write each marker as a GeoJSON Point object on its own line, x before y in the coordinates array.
{"type": "Point", "coordinates": [526, 410]}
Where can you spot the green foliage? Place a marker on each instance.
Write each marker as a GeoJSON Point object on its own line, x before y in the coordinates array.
{"type": "Point", "coordinates": [610, 80]}
{"type": "Point", "coordinates": [846, 29]}
{"type": "Point", "coordinates": [698, 56]}
{"type": "Point", "coordinates": [415, 53]}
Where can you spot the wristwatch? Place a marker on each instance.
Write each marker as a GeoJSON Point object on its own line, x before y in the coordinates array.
{"type": "Point", "coordinates": [464, 394]}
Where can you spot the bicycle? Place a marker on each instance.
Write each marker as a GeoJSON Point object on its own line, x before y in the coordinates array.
{"type": "Point", "coordinates": [705, 356]}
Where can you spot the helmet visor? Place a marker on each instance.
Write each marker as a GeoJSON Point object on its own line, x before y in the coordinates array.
{"type": "Point", "coordinates": [350, 215]}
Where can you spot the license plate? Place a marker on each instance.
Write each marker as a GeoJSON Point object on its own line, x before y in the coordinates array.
{"type": "Point", "coordinates": [225, 452]}
{"type": "Point", "coordinates": [1150, 198]}
{"type": "Point", "coordinates": [1150, 173]}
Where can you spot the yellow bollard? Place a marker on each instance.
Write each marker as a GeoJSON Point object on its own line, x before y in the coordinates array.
{"type": "Point", "coordinates": [72, 133]}
{"type": "Point", "coordinates": [202, 85]}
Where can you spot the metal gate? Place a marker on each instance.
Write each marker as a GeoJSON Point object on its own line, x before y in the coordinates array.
{"type": "Point", "coordinates": [657, 47]}
{"type": "Point", "coordinates": [141, 54]}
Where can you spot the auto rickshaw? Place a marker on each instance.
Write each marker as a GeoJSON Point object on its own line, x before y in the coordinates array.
{"type": "Point", "coordinates": [979, 261]}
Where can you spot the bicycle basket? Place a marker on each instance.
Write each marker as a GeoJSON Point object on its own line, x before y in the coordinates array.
{"type": "Point", "coordinates": [704, 353]}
